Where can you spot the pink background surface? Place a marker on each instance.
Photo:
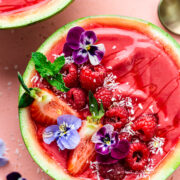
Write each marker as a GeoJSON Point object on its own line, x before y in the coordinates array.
{"type": "Point", "coordinates": [15, 50]}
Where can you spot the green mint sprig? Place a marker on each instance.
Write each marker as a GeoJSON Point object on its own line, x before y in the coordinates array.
{"type": "Point", "coordinates": [50, 71]}
{"type": "Point", "coordinates": [29, 95]}
{"type": "Point", "coordinates": [97, 111]}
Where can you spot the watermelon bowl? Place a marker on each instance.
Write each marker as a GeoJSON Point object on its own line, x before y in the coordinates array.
{"type": "Point", "coordinates": [18, 13]}
{"type": "Point", "coordinates": [139, 95]}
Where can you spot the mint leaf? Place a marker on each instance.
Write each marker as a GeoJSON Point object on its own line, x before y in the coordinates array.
{"type": "Point", "coordinates": [42, 65]}
{"type": "Point", "coordinates": [25, 100]}
{"type": "Point", "coordinates": [58, 82]}
{"type": "Point", "coordinates": [101, 111]}
{"type": "Point", "coordinates": [93, 104]}
{"type": "Point", "coordinates": [50, 71]}
{"type": "Point", "coordinates": [58, 64]}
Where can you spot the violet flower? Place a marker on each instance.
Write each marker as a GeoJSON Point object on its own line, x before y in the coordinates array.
{"type": "Point", "coordinates": [108, 147]}
{"type": "Point", "coordinates": [65, 132]}
{"type": "Point", "coordinates": [14, 176]}
{"type": "Point", "coordinates": [80, 45]}
{"type": "Point", "coordinates": [3, 160]}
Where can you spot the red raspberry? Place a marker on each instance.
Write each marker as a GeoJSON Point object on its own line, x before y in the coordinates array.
{"type": "Point", "coordinates": [104, 95]}
{"type": "Point", "coordinates": [125, 135]}
{"type": "Point", "coordinates": [70, 75]}
{"type": "Point", "coordinates": [92, 77]}
{"type": "Point", "coordinates": [85, 113]}
{"type": "Point", "coordinates": [146, 126]}
{"type": "Point", "coordinates": [138, 155]}
{"type": "Point", "coordinates": [117, 116]}
{"type": "Point", "coordinates": [77, 98]}
{"type": "Point", "coordinates": [112, 171]}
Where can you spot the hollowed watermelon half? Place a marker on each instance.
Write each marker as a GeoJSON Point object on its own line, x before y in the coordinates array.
{"type": "Point", "coordinates": [121, 35]}
{"type": "Point", "coordinates": [17, 13]}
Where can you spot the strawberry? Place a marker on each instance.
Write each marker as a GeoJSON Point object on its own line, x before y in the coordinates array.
{"type": "Point", "coordinates": [78, 162]}
{"type": "Point", "coordinates": [47, 107]}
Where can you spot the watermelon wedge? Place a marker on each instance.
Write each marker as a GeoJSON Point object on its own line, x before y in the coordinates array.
{"type": "Point", "coordinates": [19, 13]}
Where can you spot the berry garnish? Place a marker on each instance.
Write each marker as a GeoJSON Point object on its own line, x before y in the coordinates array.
{"type": "Point", "coordinates": [112, 171]}
{"type": "Point", "coordinates": [104, 95]}
{"type": "Point", "coordinates": [116, 116]}
{"type": "Point", "coordinates": [138, 156]}
{"type": "Point", "coordinates": [146, 126]}
{"type": "Point", "coordinates": [77, 98]}
{"type": "Point", "coordinates": [70, 75]}
{"type": "Point", "coordinates": [92, 77]}
{"type": "Point", "coordinates": [125, 135]}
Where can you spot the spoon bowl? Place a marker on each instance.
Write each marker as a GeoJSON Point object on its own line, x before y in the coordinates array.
{"type": "Point", "coordinates": [169, 15]}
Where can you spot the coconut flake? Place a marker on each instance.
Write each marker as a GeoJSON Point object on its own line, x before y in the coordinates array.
{"type": "Point", "coordinates": [156, 145]}
{"type": "Point", "coordinates": [109, 82]}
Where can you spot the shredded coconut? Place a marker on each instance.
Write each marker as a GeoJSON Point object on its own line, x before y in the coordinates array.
{"type": "Point", "coordinates": [95, 167]}
{"type": "Point", "coordinates": [109, 82]}
{"type": "Point", "coordinates": [156, 145]}
{"type": "Point", "coordinates": [114, 47]}
{"type": "Point", "coordinates": [127, 128]}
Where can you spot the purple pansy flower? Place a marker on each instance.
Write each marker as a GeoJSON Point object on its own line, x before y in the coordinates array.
{"type": "Point", "coordinates": [65, 132]}
{"type": "Point", "coordinates": [108, 147]}
{"type": "Point", "coordinates": [3, 160]}
{"type": "Point", "coordinates": [14, 176]}
{"type": "Point", "coordinates": [80, 45]}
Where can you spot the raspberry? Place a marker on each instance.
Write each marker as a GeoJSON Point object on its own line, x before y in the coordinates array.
{"type": "Point", "coordinates": [112, 171]}
{"type": "Point", "coordinates": [85, 113]}
{"type": "Point", "coordinates": [92, 77]}
{"type": "Point", "coordinates": [117, 116]}
{"type": "Point", "coordinates": [77, 98]}
{"type": "Point", "coordinates": [146, 127]}
{"type": "Point", "coordinates": [125, 135]}
{"type": "Point", "coordinates": [70, 75]}
{"type": "Point", "coordinates": [104, 95]}
{"type": "Point", "coordinates": [137, 157]}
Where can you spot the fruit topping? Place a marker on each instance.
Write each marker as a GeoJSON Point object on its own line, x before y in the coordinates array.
{"type": "Point", "coordinates": [77, 98]}
{"type": "Point", "coordinates": [138, 155]}
{"type": "Point", "coordinates": [48, 107]}
{"type": "Point", "coordinates": [92, 77]}
{"type": "Point", "coordinates": [146, 126]}
{"type": "Point", "coordinates": [70, 75]}
{"type": "Point", "coordinates": [113, 171]}
{"type": "Point", "coordinates": [104, 95]}
{"type": "Point", "coordinates": [117, 116]}
{"type": "Point", "coordinates": [125, 135]}
{"type": "Point", "coordinates": [80, 45]}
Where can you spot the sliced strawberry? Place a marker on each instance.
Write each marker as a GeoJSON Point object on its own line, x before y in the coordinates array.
{"type": "Point", "coordinates": [47, 107]}
{"type": "Point", "coordinates": [80, 157]}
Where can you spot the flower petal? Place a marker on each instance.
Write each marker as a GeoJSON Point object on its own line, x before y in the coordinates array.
{"type": "Point", "coordinates": [71, 141]}
{"type": "Point", "coordinates": [14, 176]}
{"type": "Point", "coordinates": [102, 148]}
{"type": "Point", "coordinates": [105, 159]}
{"type": "Point", "coordinates": [60, 145]}
{"type": "Point", "coordinates": [73, 37]}
{"type": "Point", "coordinates": [2, 147]}
{"type": "Point", "coordinates": [96, 139]}
{"type": "Point", "coordinates": [67, 50]}
{"type": "Point", "coordinates": [80, 56]}
{"type": "Point", "coordinates": [70, 120]}
{"type": "Point", "coordinates": [114, 139]}
{"type": "Point", "coordinates": [3, 161]}
{"type": "Point", "coordinates": [96, 54]}
{"type": "Point", "coordinates": [121, 150]}
{"type": "Point", "coordinates": [109, 129]}
{"type": "Point", "coordinates": [50, 133]}
{"type": "Point", "coordinates": [102, 132]}
{"type": "Point", "coordinates": [88, 38]}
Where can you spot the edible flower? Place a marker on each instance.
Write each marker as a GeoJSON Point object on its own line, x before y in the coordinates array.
{"type": "Point", "coordinates": [14, 176]}
{"type": "Point", "coordinates": [80, 45]}
{"type": "Point", "coordinates": [3, 160]}
{"type": "Point", "coordinates": [65, 132]}
{"type": "Point", "coordinates": [108, 147]}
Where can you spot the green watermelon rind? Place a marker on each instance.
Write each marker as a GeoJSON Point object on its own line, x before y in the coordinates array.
{"type": "Point", "coordinates": [25, 21]}
{"type": "Point", "coordinates": [173, 160]}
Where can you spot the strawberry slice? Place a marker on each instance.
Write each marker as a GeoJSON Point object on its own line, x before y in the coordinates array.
{"type": "Point", "coordinates": [47, 107]}
{"type": "Point", "coordinates": [79, 158]}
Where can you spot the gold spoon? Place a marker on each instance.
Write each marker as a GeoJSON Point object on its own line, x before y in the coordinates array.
{"type": "Point", "coordinates": [169, 15]}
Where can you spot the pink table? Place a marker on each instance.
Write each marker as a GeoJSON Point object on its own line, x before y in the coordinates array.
{"type": "Point", "coordinates": [15, 50]}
